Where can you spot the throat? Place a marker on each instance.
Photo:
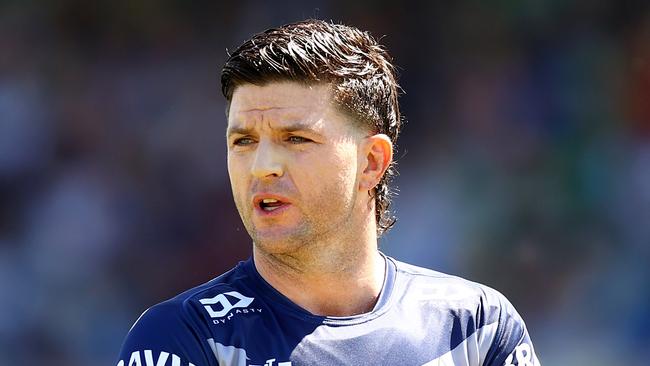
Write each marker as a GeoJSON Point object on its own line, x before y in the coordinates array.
{"type": "Point", "coordinates": [341, 291]}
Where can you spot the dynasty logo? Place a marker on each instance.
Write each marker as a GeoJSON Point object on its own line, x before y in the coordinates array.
{"type": "Point", "coordinates": [224, 306]}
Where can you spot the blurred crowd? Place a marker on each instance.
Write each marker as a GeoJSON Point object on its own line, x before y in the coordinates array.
{"type": "Point", "coordinates": [524, 163]}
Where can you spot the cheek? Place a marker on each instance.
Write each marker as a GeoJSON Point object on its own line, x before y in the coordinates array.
{"type": "Point", "coordinates": [331, 172]}
{"type": "Point", "coordinates": [236, 169]}
{"type": "Point", "coordinates": [346, 162]}
{"type": "Point", "coordinates": [346, 169]}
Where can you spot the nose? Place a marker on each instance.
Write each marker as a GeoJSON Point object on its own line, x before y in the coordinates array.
{"type": "Point", "coordinates": [268, 162]}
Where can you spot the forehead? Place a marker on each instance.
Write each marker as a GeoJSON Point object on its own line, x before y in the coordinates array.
{"type": "Point", "coordinates": [278, 102]}
{"type": "Point", "coordinates": [281, 93]}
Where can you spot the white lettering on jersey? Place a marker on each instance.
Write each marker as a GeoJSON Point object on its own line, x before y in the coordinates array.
{"type": "Point", "coordinates": [522, 355]}
{"type": "Point", "coordinates": [226, 306]}
{"type": "Point", "coordinates": [136, 360]}
{"type": "Point", "coordinates": [148, 356]}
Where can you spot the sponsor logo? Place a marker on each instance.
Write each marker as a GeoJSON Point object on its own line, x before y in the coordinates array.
{"type": "Point", "coordinates": [223, 307]}
{"type": "Point", "coordinates": [523, 356]}
{"type": "Point", "coordinates": [430, 292]}
{"type": "Point", "coordinates": [163, 359]}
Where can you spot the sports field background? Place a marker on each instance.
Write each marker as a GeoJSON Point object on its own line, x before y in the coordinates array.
{"type": "Point", "coordinates": [525, 162]}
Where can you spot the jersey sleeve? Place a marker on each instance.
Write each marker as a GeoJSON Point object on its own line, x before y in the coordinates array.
{"type": "Point", "coordinates": [511, 345]}
{"type": "Point", "coordinates": [163, 336]}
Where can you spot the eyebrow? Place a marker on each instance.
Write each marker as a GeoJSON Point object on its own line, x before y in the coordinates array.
{"type": "Point", "coordinates": [288, 128]}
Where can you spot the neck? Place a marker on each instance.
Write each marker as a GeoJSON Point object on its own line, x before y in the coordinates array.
{"type": "Point", "coordinates": [336, 277]}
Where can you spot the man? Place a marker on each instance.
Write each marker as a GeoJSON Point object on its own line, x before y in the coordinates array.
{"type": "Point", "coordinates": [312, 122]}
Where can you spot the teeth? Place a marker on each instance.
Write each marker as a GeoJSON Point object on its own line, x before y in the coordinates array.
{"type": "Point", "coordinates": [269, 200]}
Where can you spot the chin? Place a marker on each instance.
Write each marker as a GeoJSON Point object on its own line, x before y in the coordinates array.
{"type": "Point", "coordinates": [277, 247]}
{"type": "Point", "coordinates": [278, 241]}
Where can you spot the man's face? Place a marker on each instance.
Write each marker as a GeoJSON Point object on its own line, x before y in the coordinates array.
{"type": "Point", "coordinates": [293, 161]}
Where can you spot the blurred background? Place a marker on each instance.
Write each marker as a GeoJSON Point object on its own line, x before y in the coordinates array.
{"type": "Point", "coordinates": [525, 162]}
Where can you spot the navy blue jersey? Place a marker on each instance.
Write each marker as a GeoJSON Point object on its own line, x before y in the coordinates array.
{"type": "Point", "coordinates": [422, 317]}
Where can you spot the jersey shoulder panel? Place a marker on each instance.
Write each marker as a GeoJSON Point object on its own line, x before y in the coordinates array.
{"type": "Point", "coordinates": [163, 333]}
{"type": "Point", "coordinates": [452, 290]}
{"type": "Point", "coordinates": [487, 316]}
{"type": "Point", "coordinates": [175, 329]}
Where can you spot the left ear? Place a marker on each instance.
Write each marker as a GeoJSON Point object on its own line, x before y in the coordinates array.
{"type": "Point", "coordinates": [377, 154]}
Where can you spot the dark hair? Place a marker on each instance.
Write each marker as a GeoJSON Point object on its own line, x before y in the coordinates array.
{"type": "Point", "coordinates": [314, 51]}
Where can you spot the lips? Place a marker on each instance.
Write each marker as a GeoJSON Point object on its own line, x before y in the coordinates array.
{"type": "Point", "coordinates": [268, 203]}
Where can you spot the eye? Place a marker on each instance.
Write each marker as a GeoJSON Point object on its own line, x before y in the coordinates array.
{"type": "Point", "coordinates": [298, 139]}
{"type": "Point", "coordinates": [243, 141]}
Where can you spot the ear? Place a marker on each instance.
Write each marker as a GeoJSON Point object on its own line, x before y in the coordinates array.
{"type": "Point", "coordinates": [376, 155]}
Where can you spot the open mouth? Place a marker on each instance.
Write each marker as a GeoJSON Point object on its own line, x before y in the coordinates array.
{"type": "Point", "coordinates": [270, 204]}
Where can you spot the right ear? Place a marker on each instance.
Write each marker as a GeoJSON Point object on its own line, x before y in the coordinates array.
{"type": "Point", "coordinates": [378, 152]}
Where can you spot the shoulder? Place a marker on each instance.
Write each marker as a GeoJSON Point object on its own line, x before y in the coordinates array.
{"type": "Point", "coordinates": [433, 285]}
{"type": "Point", "coordinates": [488, 316]}
{"type": "Point", "coordinates": [178, 327]}
{"type": "Point", "coordinates": [180, 308]}
{"type": "Point", "coordinates": [463, 300]}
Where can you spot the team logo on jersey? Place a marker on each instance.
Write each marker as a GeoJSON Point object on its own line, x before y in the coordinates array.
{"type": "Point", "coordinates": [224, 306]}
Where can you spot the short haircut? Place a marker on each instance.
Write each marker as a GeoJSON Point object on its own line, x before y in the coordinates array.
{"type": "Point", "coordinates": [314, 51]}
